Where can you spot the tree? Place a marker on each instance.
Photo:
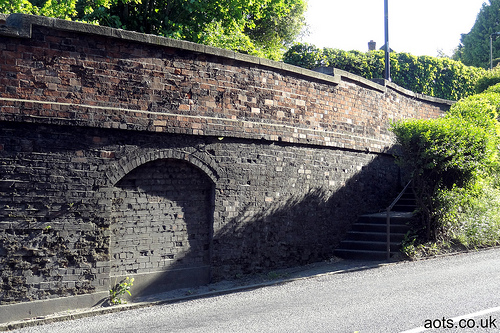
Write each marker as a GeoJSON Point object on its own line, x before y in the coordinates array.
{"type": "Point", "coordinates": [304, 55]}
{"type": "Point", "coordinates": [474, 49]}
{"type": "Point", "coordinates": [278, 25]}
{"type": "Point", "coordinates": [258, 27]}
{"type": "Point", "coordinates": [63, 9]}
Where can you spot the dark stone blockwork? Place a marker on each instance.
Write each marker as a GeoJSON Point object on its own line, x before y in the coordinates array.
{"type": "Point", "coordinates": [177, 164]}
{"type": "Point", "coordinates": [162, 215]}
{"type": "Point", "coordinates": [66, 229]}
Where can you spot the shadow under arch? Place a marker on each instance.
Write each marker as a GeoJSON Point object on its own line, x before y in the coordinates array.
{"type": "Point", "coordinates": [161, 223]}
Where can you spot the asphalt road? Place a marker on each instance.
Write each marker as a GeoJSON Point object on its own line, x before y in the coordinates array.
{"type": "Point", "coordinates": [461, 290]}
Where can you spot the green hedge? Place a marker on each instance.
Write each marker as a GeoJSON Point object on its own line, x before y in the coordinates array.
{"type": "Point", "coordinates": [488, 79]}
{"type": "Point", "coordinates": [454, 163]}
{"type": "Point", "coordinates": [438, 77]}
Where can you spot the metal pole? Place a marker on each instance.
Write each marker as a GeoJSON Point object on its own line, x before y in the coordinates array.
{"type": "Point", "coordinates": [387, 48]}
{"type": "Point", "coordinates": [388, 231]}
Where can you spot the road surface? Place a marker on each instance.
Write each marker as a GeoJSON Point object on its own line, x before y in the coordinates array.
{"type": "Point", "coordinates": [447, 294]}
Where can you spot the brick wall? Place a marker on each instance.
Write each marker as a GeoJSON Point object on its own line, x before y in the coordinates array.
{"type": "Point", "coordinates": [162, 220]}
{"type": "Point", "coordinates": [138, 82]}
{"type": "Point", "coordinates": [126, 154]}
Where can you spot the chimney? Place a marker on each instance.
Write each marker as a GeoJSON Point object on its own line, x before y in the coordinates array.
{"type": "Point", "coordinates": [372, 45]}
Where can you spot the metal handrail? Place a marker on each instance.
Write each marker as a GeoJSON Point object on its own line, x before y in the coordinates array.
{"type": "Point", "coordinates": [388, 220]}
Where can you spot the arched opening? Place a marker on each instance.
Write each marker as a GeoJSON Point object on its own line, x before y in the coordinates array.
{"type": "Point", "coordinates": [162, 222]}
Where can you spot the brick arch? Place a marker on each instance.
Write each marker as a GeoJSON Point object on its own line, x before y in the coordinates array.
{"type": "Point", "coordinates": [161, 223]}
{"type": "Point", "coordinates": [118, 170]}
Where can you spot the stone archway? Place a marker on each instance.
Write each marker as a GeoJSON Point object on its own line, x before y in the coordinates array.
{"type": "Point", "coordinates": [161, 227]}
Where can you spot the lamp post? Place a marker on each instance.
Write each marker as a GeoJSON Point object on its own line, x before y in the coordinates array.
{"type": "Point", "coordinates": [491, 48]}
{"type": "Point", "coordinates": [387, 72]}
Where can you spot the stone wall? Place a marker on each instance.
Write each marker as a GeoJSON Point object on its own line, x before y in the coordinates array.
{"type": "Point", "coordinates": [123, 154]}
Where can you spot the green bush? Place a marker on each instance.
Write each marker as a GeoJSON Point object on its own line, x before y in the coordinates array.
{"type": "Point", "coordinates": [454, 164]}
{"type": "Point", "coordinates": [488, 79]}
{"type": "Point", "coordinates": [438, 77]}
{"type": "Point", "coordinates": [481, 109]}
{"type": "Point", "coordinates": [447, 151]}
{"type": "Point", "coordinates": [305, 56]}
{"type": "Point", "coordinates": [470, 216]}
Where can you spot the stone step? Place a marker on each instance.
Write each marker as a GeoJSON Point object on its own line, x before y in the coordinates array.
{"type": "Point", "coordinates": [367, 238]}
{"type": "Point", "coordinates": [405, 205]}
{"type": "Point", "coordinates": [368, 245]}
{"type": "Point", "coordinates": [380, 228]}
{"type": "Point", "coordinates": [381, 218]}
{"type": "Point", "coordinates": [405, 208]}
{"type": "Point", "coordinates": [374, 236]}
{"type": "Point", "coordinates": [361, 255]}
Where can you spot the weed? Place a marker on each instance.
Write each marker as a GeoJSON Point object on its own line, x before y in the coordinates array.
{"type": "Point", "coordinates": [116, 293]}
{"type": "Point", "coordinates": [276, 275]}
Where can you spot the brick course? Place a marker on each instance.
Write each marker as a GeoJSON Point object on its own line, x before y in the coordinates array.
{"type": "Point", "coordinates": [67, 77]}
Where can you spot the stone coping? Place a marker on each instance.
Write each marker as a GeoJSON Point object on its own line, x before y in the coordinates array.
{"type": "Point", "coordinates": [382, 85]}
{"type": "Point", "coordinates": [20, 25]}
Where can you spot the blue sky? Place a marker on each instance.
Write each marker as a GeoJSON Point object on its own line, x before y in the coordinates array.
{"type": "Point", "coordinates": [419, 27]}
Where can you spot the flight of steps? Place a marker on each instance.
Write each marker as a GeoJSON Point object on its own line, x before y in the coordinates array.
{"type": "Point", "coordinates": [367, 239]}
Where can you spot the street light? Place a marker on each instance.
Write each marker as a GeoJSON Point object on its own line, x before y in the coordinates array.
{"type": "Point", "coordinates": [387, 48]}
{"type": "Point", "coordinates": [491, 48]}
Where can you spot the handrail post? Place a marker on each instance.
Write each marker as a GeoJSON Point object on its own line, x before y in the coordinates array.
{"type": "Point", "coordinates": [388, 230]}
{"type": "Point", "coordinates": [388, 220]}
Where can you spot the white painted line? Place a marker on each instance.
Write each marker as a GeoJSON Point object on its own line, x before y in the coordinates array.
{"type": "Point", "coordinates": [457, 319]}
